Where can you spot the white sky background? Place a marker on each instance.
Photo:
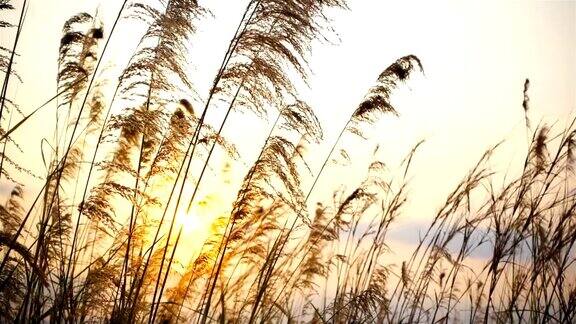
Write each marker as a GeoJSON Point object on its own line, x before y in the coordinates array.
{"type": "Point", "coordinates": [476, 56]}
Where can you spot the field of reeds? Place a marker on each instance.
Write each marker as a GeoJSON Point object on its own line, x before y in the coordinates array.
{"type": "Point", "coordinates": [120, 229]}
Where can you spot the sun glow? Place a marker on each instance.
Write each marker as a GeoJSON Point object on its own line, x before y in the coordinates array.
{"type": "Point", "coordinates": [189, 222]}
{"type": "Point", "coordinates": [194, 228]}
{"type": "Point", "coordinates": [195, 224]}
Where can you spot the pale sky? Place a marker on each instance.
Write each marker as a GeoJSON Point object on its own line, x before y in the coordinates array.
{"type": "Point", "coordinates": [476, 55]}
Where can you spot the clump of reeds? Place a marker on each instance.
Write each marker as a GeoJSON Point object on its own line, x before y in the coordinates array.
{"type": "Point", "coordinates": [100, 241]}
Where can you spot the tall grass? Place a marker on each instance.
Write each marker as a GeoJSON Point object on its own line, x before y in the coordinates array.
{"type": "Point", "coordinates": [102, 239]}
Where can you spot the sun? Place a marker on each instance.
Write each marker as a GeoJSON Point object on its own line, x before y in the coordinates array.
{"type": "Point", "coordinates": [197, 219]}
{"type": "Point", "coordinates": [189, 222]}
{"type": "Point", "coordinates": [193, 228]}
